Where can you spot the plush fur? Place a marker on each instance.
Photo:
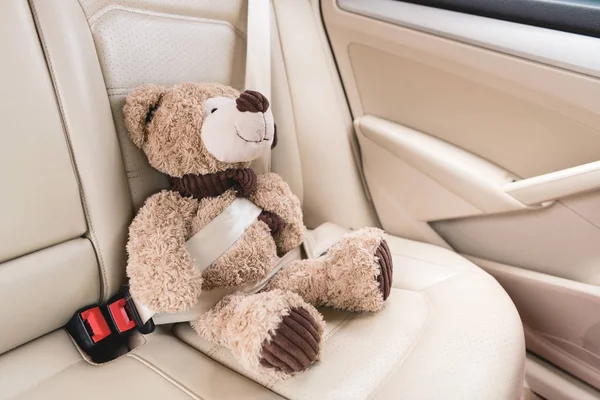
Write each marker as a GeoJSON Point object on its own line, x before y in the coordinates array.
{"type": "Point", "coordinates": [342, 278]}
{"type": "Point", "coordinates": [171, 137]}
{"type": "Point", "coordinates": [273, 194]}
{"type": "Point", "coordinates": [253, 257]}
{"type": "Point", "coordinates": [167, 125]}
{"type": "Point", "coordinates": [244, 323]}
{"type": "Point", "coordinates": [160, 269]}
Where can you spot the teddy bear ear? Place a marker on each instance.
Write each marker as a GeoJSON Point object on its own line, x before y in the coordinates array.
{"type": "Point", "coordinates": [138, 110]}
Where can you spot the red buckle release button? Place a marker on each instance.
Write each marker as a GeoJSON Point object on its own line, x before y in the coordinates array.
{"type": "Point", "coordinates": [120, 316]}
{"type": "Point", "coordinates": [95, 320]}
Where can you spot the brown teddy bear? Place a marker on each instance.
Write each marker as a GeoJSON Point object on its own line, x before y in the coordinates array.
{"type": "Point", "coordinates": [204, 136]}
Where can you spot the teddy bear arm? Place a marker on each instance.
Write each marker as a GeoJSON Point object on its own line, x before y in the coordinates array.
{"type": "Point", "coordinates": [274, 196]}
{"type": "Point", "coordinates": [160, 269]}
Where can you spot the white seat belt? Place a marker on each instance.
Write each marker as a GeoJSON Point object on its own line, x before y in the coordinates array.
{"type": "Point", "coordinates": [258, 77]}
{"type": "Point", "coordinates": [315, 244]}
{"type": "Point", "coordinates": [258, 61]}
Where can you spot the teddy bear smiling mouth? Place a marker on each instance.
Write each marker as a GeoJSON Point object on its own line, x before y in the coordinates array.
{"type": "Point", "coordinates": [237, 132]}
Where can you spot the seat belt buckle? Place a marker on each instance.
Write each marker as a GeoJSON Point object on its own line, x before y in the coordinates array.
{"type": "Point", "coordinates": [124, 315]}
{"type": "Point", "coordinates": [89, 327]}
{"type": "Point", "coordinates": [120, 316]}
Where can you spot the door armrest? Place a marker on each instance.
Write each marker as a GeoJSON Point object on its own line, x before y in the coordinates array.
{"type": "Point", "coordinates": [555, 185]}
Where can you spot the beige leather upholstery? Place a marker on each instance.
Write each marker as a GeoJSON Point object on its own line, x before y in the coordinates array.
{"type": "Point", "coordinates": [40, 291]}
{"type": "Point", "coordinates": [82, 179]}
{"type": "Point", "coordinates": [135, 46]}
{"type": "Point", "coordinates": [41, 207]}
{"type": "Point", "coordinates": [161, 368]}
{"type": "Point", "coordinates": [437, 334]}
{"type": "Point", "coordinates": [89, 127]}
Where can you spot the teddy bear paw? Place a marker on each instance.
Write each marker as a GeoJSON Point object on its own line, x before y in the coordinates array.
{"type": "Point", "coordinates": [384, 259]}
{"type": "Point", "coordinates": [360, 271]}
{"type": "Point", "coordinates": [294, 345]}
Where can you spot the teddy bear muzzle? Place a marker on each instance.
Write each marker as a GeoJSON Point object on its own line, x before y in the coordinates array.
{"type": "Point", "coordinates": [238, 129]}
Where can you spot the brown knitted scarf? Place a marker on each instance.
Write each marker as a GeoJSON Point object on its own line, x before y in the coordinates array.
{"type": "Point", "coordinates": [242, 180]}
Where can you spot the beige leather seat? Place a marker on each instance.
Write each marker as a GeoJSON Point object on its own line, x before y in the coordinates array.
{"type": "Point", "coordinates": [72, 181]}
{"type": "Point", "coordinates": [448, 328]}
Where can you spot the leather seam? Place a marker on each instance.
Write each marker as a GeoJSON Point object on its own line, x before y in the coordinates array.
{"type": "Point", "coordinates": [98, 15]}
{"type": "Point", "coordinates": [339, 326]}
{"type": "Point", "coordinates": [37, 384]}
{"type": "Point", "coordinates": [213, 350]}
{"type": "Point", "coordinates": [439, 283]}
{"type": "Point", "coordinates": [454, 266]}
{"type": "Point", "coordinates": [85, 357]}
{"type": "Point", "coordinates": [93, 237]}
{"type": "Point", "coordinates": [419, 337]}
{"type": "Point", "coordinates": [164, 375]}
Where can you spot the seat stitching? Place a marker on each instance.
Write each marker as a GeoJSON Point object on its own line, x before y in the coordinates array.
{"type": "Point", "coordinates": [163, 374]}
{"type": "Point", "coordinates": [101, 13]}
{"type": "Point", "coordinates": [67, 135]}
{"type": "Point", "coordinates": [400, 362]}
{"type": "Point", "coordinates": [213, 350]}
{"type": "Point", "coordinates": [432, 262]}
{"type": "Point", "coordinates": [19, 393]}
{"type": "Point", "coordinates": [440, 282]}
{"type": "Point", "coordinates": [88, 359]}
{"type": "Point", "coordinates": [339, 326]}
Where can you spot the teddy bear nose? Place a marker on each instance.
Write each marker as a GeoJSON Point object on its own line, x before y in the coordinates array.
{"type": "Point", "coordinates": [252, 101]}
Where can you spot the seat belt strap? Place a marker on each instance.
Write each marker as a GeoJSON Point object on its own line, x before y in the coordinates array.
{"type": "Point", "coordinates": [205, 247]}
{"type": "Point", "coordinates": [258, 61]}
{"type": "Point", "coordinates": [99, 327]}
{"type": "Point", "coordinates": [316, 243]}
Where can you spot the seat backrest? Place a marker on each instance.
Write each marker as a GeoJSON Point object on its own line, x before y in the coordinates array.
{"type": "Point", "coordinates": [72, 177]}
{"type": "Point", "coordinates": [166, 42]}
{"type": "Point", "coordinates": [48, 269]}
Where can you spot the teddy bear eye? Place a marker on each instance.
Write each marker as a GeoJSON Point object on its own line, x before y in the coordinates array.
{"type": "Point", "coordinates": [213, 110]}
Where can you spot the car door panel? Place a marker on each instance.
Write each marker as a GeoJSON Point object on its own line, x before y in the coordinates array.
{"type": "Point", "coordinates": [484, 135]}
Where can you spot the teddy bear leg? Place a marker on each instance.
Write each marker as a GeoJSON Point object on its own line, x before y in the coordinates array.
{"type": "Point", "coordinates": [354, 275]}
{"type": "Point", "coordinates": [361, 271]}
{"type": "Point", "coordinates": [274, 332]}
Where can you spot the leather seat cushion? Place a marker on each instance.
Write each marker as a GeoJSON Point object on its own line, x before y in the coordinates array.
{"type": "Point", "coordinates": [447, 327]}
{"type": "Point", "coordinates": [161, 368]}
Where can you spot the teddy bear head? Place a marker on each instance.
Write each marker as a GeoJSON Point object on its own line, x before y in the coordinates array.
{"type": "Point", "coordinates": [199, 128]}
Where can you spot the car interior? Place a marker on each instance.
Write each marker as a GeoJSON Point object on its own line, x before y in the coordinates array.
{"type": "Point", "coordinates": [468, 130]}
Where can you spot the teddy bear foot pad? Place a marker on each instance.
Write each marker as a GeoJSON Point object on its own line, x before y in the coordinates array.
{"type": "Point", "coordinates": [384, 279]}
{"type": "Point", "coordinates": [295, 344]}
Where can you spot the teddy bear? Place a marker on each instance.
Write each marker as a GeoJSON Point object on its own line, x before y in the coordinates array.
{"type": "Point", "coordinates": [204, 136]}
